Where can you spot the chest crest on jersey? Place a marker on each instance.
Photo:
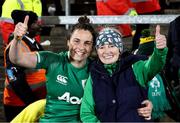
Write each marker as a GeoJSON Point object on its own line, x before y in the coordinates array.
{"type": "Point", "coordinates": [61, 79]}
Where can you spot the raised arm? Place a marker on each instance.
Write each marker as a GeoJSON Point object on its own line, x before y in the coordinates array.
{"type": "Point", "coordinates": [157, 61]}
{"type": "Point", "coordinates": [17, 56]}
{"type": "Point", "coordinates": [146, 70]}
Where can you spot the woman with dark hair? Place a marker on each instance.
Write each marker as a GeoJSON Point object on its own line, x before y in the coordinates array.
{"type": "Point", "coordinates": [66, 71]}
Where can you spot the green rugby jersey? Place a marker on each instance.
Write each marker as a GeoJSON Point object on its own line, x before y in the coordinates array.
{"type": "Point", "coordinates": [65, 85]}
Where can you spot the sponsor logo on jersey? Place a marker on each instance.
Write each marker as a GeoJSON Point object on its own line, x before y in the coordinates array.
{"type": "Point", "coordinates": [61, 79]}
{"type": "Point", "coordinates": [71, 99]}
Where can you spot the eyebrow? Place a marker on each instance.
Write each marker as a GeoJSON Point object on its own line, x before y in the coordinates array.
{"type": "Point", "coordinates": [76, 38]}
{"type": "Point", "coordinates": [88, 41]}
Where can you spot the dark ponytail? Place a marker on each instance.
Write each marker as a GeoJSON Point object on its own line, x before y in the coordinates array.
{"type": "Point", "coordinates": [84, 20]}
{"type": "Point", "coordinates": [83, 24]}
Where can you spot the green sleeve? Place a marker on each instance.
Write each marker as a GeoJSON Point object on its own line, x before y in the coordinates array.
{"type": "Point", "coordinates": [45, 58]}
{"type": "Point", "coordinates": [145, 70]}
{"type": "Point", "coordinates": [87, 106]}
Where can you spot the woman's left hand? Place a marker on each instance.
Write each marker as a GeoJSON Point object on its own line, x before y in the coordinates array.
{"type": "Point", "coordinates": [146, 110]}
{"type": "Point", "coordinates": [160, 38]}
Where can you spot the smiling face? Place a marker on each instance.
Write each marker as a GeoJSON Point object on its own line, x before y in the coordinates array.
{"type": "Point", "coordinates": [80, 45]}
{"type": "Point", "coordinates": [108, 53]}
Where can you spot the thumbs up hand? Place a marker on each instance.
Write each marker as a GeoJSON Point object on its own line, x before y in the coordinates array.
{"type": "Point", "coordinates": [21, 29]}
{"type": "Point", "coordinates": [159, 38]}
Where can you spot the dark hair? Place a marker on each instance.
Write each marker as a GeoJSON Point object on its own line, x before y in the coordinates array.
{"type": "Point", "coordinates": [19, 15]}
{"type": "Point", "coordinates": [84, 24]}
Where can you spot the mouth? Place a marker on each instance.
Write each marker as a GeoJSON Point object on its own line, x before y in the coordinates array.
{"type": "Point", "coordinates": [80, 53]}
{"type": "Point", "coordinates": [107, 56]}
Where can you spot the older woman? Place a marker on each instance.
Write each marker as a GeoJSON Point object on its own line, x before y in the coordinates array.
{"type": "Point", "coordinates": [114, 90]}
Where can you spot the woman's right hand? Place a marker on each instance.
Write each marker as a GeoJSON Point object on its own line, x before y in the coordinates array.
{"type": "Point", "coordinates": [21, 29]}
{"type": "Point", "coordinates": [146, 110]}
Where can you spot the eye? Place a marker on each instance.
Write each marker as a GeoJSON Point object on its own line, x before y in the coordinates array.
{"type": "Point", "coordinates": [111, 46]}
{"type": "Point", "coordinates": [101, 47]}
{"type": "Point", "coordinates": [88, 43]}
{"type": "Point", "coordinates": [76, 41]}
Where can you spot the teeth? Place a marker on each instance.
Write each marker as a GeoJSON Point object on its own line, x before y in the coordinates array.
{"type": "Point", "coordinates": [79, 53]}
{"type": "Point", "coordinates": [108, 57]}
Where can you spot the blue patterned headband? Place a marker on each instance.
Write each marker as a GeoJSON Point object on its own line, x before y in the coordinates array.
{"type": "Point", "coordinates": [109, 36]}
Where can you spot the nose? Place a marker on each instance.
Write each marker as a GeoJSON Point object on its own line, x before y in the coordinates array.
{"type": "Point", "coordinates": [81, 46]}
{"type": "Point", "coordinates": [107, 50]}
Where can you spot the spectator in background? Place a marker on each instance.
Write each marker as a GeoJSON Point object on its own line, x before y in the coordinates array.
{"type": "Point", "coordinates": [7, 24]}
{"type": "Point", "coordinates": [114, 90]}
{"type": "Point", "coordinates": [143, 7]}
{"type": "Point", "coordinates": [57, 4]}
{"type": "Point", "coordinates": [51, 8]}
{"type": "Point", "coordinates": [117, 7]}
{"type": "Point", "coordinates": [23, 86]}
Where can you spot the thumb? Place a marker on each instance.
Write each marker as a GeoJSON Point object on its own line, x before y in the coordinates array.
{"type": "Point", "coordinates": [145, 102]}
{"type": "Point", "coordinates": [158, 29]}
{"type": "Point", "coordinates": [26, 20]}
